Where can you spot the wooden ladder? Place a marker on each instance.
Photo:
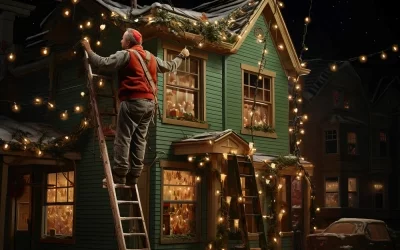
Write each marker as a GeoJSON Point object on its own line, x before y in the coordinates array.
{"type": "Point", "coordinates": [248, 201]}
{"type": "Point", "coordinates": [131, 198]}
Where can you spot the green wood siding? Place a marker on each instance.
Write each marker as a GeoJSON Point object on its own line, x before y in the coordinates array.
{"type": "Point", "coordinates": [250, 54]}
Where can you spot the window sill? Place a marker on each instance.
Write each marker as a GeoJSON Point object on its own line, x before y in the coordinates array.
{"type": "Point", "coordinates": [185, 123]}
{"type": "Point", "coordinates": [57, 240]}
{"type": "Point", "coordinates": [177, 240]}
{"type": "Point", "coordinates": [246, 131]}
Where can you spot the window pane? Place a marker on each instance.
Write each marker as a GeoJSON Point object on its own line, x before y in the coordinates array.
{"type": "Point", "coordinates": [267, 83]}
{"type": "Point", "coordinates": [60, 219]}
{"type": "Point", "coordinates": [24, 206]}
{"type": "Point", "coordinates": [352, 200]}
{"type": "Point", "coordinates": [51, 195]}
{"type": "Point", "coordinates": [175, 177]}
{"type": "Point", "coordinates": [253, 80]}
{"type": "Point", "coordinates": [71, 178]}
{"type": "Point", "coordinates": [332, 200]}
{"type": "Point", "coordinates": [343, 228]}
{"type": "Point", "coordinates": [178, 193]}
{"type": "Point", "coordinates": [332, 185]}
{"type": "Point", "coordinates": [61, 181]}
{"type": "Point", "coordinates": [331, 147]}
{"type": "Point", "coordinates": [186, 80]}
{"type": "Point", "coordinates": [61, 195]}
{"type": "Point", "coordinates": [351, 138]}
{"type": "Point", "coordinates": [194, 66]}
{"type": "Point", "coordinates": [246, 79]}
{"type": "Point", "coordinates": [259, 93]}
{"type": "Point", "coordinates": [181, 102]}
{"type": "Point", "coordinates": [262, 115]}
{"type": "Point", "coordinates": [267, 95]}
{"type": "Point", "coordinates": [351, 149]}
{"type": "Point", "coordinates": [352, 184]}
{"type": "Point", "coordinates": [70, 194]}
{"type": "Point", "coordinates": [246, 91]}
{"type": "Point", "coordinates": [378, 232]}
{"type": "Point", "coordinates": [179, 219]}
{"type": "Point", "coordinates": [51, 179]}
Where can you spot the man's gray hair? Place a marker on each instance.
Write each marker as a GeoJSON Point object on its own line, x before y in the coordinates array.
{"type": "Point", "coordinates": [131, 39]}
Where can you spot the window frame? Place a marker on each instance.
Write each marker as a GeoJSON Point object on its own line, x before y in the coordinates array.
{"type": "Point", "coordinates": [353, 192]}
{"type": "Point", "coordinates": [43, 236]}
{"type": "Point", "coordinates": [202, 88]}
{"type": "Point", "coordinates": [267, 74]}
{"type": "Point", "coordinates": [338, 191]}
{"type": "Point", "coordinates": [337, 141]}
{"type": "Point", "coordinates": [348, 143]}
{"type": "Point", "coordinates": [180, 166]}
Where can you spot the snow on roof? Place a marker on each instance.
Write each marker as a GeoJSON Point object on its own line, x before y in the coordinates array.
{"type": "Point", "coordinates": [213, 10]}
{"type": "Point", "coordinates": [345, 119]}
{"type": "Point", "coordinates": [35, 131]}
{"type": "Point", "coordinates": [270, 158]}
{"type": "Point", "coordinates": [34, 43]}
{"type": "Point", "coordinates": [359, 220]}
{"type": "Point", "coordinates": [39, 34]}
{"type": "Point", "coordinates": [208, 136]}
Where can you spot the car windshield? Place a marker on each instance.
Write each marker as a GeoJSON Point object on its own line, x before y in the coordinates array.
{"type": "Point", "coordinates": [344, 228]}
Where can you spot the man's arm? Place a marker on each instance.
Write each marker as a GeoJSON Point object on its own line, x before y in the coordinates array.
{"type": "Point", "coordinates": [114, 61]}
{"type": "Point", "coordinates": [172, 66]}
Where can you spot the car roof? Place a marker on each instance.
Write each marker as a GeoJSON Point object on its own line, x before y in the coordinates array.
{"type": "Point", "coordinates": [359, 220]}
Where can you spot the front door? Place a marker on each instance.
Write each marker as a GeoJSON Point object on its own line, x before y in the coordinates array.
{"type": "Point", "coordinates": [19, 208]}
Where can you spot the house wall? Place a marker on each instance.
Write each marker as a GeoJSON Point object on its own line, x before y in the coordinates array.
{"type": "Point", "coordinates": [250, 53]}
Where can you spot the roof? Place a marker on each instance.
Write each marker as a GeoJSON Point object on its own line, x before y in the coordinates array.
{"type": "Point", "coordinates": [269, 158]}
{"type": "Point", "coordinates": [359, 220]}
{"type": "Point", "coordinates": [383, 86]}
{"type": "Point", "coordinates": [35, 131]}
{"type": "Point", "coordinates": [238, 15]}
{"type": "Point", "coordinates": [336, 118]}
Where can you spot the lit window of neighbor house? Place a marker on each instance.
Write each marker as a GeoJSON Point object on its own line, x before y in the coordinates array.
{"type": "Point", "coordinates": [58, 220]}
{"type": "Point", "coordinates": [332, 192]}
{"type": "Point", "coordinates": [382, 144]}
{"type": "Point", "coordinates": [180, 221]}
{"type": "Point", "coordinates": [184, 92]}
{"type": "Point", "coordinates": [352, 143]}
{"type": "Point", "coordinates": [378, 195]}
{"type": "Point", "coordinates": [331, 142]}
{"type": "Point", "coordinates": [352, 192]}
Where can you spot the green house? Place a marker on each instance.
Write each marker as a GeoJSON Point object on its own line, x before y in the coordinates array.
{"type": "Point", "coordinates": [51, 190]}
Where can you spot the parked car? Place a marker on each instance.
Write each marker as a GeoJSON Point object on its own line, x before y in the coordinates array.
{"type": "Point", "coordinates": [352, 234]}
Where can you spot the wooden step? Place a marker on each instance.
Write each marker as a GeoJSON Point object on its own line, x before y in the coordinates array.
{"type": "Point", "coordinates": [127, 202]}
{"type": "Point", "coordinates": [134, 234]}
{"type": "Point", "coordinates": [131, 218]}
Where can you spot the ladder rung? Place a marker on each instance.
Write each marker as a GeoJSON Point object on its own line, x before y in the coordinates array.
{"type": "Point", "coordinates": [127, 202]}
{"type": "Point", "coordinates": [108, 113]}
{"type": "Point", "coordinates": [122, 186]}
{"type": "Point", "coordinates": [131, 218]}
{"type": "Point", "coordinates": [138, 249]}
{"type": "Point", "coordinates": [246, 162]}
{"type": "Point", "coordinates": [102, 76]}
{"type": "Point", "coordinates": [253, 214]}
{"type": "Point", "coordinates": [250, 196]}
{"type": "Point", "coordinates": [107, 96]}
{"type": "Point", "coordinates": [246, 175]}
{"type": "Point", "coordinates": [134, 234]}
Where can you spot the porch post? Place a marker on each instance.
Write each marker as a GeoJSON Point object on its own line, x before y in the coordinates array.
{"type": "Point", "coordinates": [3, 196]}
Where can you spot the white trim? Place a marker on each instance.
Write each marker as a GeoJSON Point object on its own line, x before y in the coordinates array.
{"type": "Point", "coordinates": [3, 196]}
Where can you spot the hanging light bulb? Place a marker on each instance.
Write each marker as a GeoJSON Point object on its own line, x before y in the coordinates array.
{"type": "Point", "coordinates": [45, 51]}
{"type": "Point", "coordinates": [39, 152]}
{"type": "Point", "coordinates": [273, 165]}
{"type": "Point", "coordinates": [275, 26]}
{"type": "Point", "coordinates": [78, 109]}
{"type": "Point", "coordinates": [302, 131]}
{"type": "Point", "coordinates": [64, 115]}
{"type": "Point", "coordinates": [98, 43]}
{"type": "Point", "coordinates": [26, 140]}
{"type": "Point", "coordinates": [303, 64]}
{"type": "Point", "coordinates": [383, 55]}
{"type": "Point", "coordinates": [83, 94]}
{"type": "Point", "coordinates": [306, 48]}
{"type": "Point", "coordinates": [66, 13]}
{"type": "Point", "coordinates": [333, 67]}
{"type": "Point", "coordinates": [11, 57]}
{"type": "Point", "coordinates": [80, 26]}
{"type": "Point", "coordinates": [290, 130]}
{"type": "Point", "coordinates": [295, 110]}
{"type": "Point", "coordinates": [50, 105]}
{"type": "Point", "coordinates": [395, 48]}
{"type": "Point", "coordinates": [305, 117]}
{"type": "Point", "coordinates": [102, 27]}
{"type": "Point", "coordinates": [307, 20]}
{"type": "Point", "coordinates": [15, 108]}
{"type": "Point", "coordinates": [281, 4]}
{"type": "Point", "coordinates": [281, 47]}
{"type": "Point", "coordinates": [363, 59]}
{"type": "Point", "coordinates": [6, 146]}
{"type": "Point", "coordinates": [85, 122]}
{"type": "Point", "coordinates": [200, 44]}
{"type": "Point", "coordinates": [297, 86]}
{"type": "Point", "coordinates": [190, 158]}
{"type": "Point", "coordinates": [88, 24]}
{"type": "Point", "coordinates": [299, 100]}
{"type": "Point", "coordinates": [101, 83]}
{"type": "Point", "coordinates": [66, 138]}
{"type": "Point", "coordinates": [37, 101]}
{"type": "Point", "coordinates": [75, 1]}
{"type": "Point", "coordinates": [290, 97]}
{"type": "Point", "coordinates": [198, 178]}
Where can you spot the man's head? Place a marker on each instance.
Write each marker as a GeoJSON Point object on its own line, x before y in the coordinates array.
{"type": "Point", "coordinates": [130, 38]}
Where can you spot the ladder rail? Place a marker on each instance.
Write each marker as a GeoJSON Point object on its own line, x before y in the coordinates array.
{"type": "Point", "coordinates": [105, 158]}
{"type": "Point", "coordinates": [141, 214]}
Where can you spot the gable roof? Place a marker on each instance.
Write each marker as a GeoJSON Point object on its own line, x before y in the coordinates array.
{"type": "Point", "coordinates": [246, 14]}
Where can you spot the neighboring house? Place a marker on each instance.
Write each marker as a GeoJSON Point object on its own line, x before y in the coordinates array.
{"type": "Point", "coordinates": [205, 110]}
{"type": "Point", "coordinates": [352, 142]}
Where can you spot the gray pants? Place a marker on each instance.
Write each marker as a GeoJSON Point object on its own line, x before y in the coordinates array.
{"type": "Point", "coordinates": [133, 121]}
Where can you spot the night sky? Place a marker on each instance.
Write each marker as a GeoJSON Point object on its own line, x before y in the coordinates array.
{"type": "Point", "coordinates": [339, 29]}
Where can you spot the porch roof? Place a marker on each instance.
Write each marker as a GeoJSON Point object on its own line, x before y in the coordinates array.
{"type": "Point", "coordinates": [269, 158]}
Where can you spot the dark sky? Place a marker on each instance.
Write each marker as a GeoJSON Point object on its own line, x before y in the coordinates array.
{"type": "Point", "coordinates": [340, 29]}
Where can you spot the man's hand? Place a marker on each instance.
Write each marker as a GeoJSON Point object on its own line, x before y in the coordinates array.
{"type": "Point", "coordinates": [86, 45]}
{"type": "Point", "coordinates": [185, 52]}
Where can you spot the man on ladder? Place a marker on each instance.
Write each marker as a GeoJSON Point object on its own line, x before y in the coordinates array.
{"type": "Point", "coordinates": [137, 76]}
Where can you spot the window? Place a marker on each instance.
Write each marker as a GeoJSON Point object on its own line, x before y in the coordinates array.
{"type": "Point", "coordinates": [184, 90]}
{"type": "Point", "coordinates": [350, 227]}
{"type": "Point", "coordinates": [378, 232]}
{"type": "Point", "coordinates": [332, 192]}
{"type": "Point", "coordinates": [378, 195]}
{"type": "Point", "coordinates": [263, 109]}
{"type": "Point", "coordinates": [352, 143]}
{"type": "Point", "coordinates": [352, 192]}
{"type": "Point", "coordinates": [179, 205]}
{"type": "Point", "coordinates": [331, 142]}
{"type": "Point", "coordinates": [59, 205]}
{"type": "Point", "coordinates": [382, 144]}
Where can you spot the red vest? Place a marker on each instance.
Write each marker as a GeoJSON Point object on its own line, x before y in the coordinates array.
{"type": "Point", "coordinates": [133, 83]}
